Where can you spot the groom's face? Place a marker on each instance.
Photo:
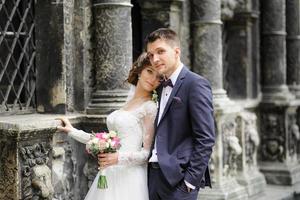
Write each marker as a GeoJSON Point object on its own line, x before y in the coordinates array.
{"type": "Point", "coordinates": [163, 56]}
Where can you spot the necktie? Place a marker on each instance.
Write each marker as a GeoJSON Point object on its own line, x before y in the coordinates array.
{"type": "Point", "coordinates": [166, 83]}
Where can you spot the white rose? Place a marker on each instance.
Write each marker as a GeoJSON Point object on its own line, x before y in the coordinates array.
{"type": "Point", "coordinates": [112, 133]}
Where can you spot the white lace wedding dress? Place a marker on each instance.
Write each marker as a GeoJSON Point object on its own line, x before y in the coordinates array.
{"type": "Point", "coordinates": [128, 179]}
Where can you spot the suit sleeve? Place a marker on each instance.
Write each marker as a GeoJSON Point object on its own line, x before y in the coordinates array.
{"type": "Point", "coordinates": [203, 130]}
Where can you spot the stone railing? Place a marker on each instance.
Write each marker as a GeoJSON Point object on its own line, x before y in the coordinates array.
{"type": "Point", "coordinates": [36, 162]}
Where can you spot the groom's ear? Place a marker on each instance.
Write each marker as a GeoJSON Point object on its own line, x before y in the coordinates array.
{"type": "Point", "coordinates": [177, 52]}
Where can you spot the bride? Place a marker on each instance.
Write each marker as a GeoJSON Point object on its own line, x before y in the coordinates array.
{"type": "Point", "coordinates": [126, 170]}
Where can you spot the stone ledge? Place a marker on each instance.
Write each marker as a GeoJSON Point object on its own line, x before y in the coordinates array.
{"type": "Point", "coordinates": [30, 122]}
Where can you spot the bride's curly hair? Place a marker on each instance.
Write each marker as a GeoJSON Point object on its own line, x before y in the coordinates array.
{"type": "Point", "coordinates": [141, 63]}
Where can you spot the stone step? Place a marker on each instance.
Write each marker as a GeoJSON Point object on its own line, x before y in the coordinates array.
{"type": "Point", "coordinates": [275, 192]}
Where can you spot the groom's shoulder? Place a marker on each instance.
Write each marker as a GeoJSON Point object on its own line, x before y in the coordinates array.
{"type": "Point", "coordinates": [196, 78]}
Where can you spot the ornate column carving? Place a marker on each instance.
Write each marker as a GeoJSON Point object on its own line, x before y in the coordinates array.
{"type": "Point", "coordinates": [9, 170]}
{"type": "Point", "coordinates": [280, 138]}
{"type": "Point", "coordinates": [112, 54]}
{"type": "Point", "coordinates": [278, 157]}
{"type": "Point", "coordinates": [293, 45]}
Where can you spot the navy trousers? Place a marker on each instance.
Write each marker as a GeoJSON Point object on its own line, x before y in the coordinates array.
{"type": "Point", "coordinates": [160, 189]}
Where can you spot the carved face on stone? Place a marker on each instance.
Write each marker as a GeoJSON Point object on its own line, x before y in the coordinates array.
{"type": "Point", "coordinates": [42, 181]}
{"type": "Point", "coordinates": [272, 147]}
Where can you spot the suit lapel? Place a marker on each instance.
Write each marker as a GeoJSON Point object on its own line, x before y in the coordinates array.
{"type": "Point", "coordinates": [175, 89]}
{"type": "Point", "coordinates": [159, 91]}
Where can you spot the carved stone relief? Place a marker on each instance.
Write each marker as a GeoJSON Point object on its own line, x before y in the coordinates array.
{"type": "Point", "coordinates": [232, 148]}
{"type": "Point", "coordinates": [8, 171]}
{"type": "Point", "coordinates": [229, 7]}
{"type": "Point", "coordinates": [272, 148]}
{"type": "Point", "coordinates": [293, 137]}
{"type": "Point", "coordinates": [112, 56]}
{"type": "Point", "coordinates": [68, 55]}
{"type": "Point", "coordinates": [251, 139]}
{"type": "Point", "coordinates": [212, 168]}
{"type": "Point", "coordinates": [69, 172]}
{"type": "Point", "coordinates": [90, 170]}
{"type": "Point", "coordinates": [36, 174]}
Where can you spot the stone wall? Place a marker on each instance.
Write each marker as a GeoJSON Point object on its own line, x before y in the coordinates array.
{"type": "Point", "coordinates": [247, 49]}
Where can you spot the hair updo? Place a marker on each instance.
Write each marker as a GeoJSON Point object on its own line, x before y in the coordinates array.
{"type": "Point", "coordinates": [141, 63]}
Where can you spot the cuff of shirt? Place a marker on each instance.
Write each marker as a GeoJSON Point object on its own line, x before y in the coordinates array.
{"type": "Point", "coordinates": [189, 185]}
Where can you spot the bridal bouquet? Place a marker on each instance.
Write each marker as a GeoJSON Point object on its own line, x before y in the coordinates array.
{"type": "Point", "coordinates": [103, 142]}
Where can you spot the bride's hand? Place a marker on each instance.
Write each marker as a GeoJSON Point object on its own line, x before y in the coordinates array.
{"type": "Point", "coordinates": [107, 159]}
{"type": "Point", "coordinates": [67, 126]}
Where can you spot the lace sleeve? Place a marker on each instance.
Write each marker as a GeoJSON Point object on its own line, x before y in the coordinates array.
{"type": "Point", "coordinates": [140, 157]}
{"type": "Point", "coordinates": [80, 135]}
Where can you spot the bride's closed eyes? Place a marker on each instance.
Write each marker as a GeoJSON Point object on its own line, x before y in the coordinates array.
{"type": "Point", "coordinates": [152, 71]}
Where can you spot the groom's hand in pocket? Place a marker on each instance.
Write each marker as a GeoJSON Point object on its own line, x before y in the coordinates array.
{"type": "Point", "coordinates": [107, 159]}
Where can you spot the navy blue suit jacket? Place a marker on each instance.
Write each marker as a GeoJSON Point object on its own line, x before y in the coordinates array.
{"type": "Point", "coordinates": [185, 134]}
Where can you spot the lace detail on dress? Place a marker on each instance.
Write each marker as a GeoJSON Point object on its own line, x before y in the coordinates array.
{"type": "Point", "coordinates": [146, 115]}
{"type": "Point", "coordinates": [136, 129]}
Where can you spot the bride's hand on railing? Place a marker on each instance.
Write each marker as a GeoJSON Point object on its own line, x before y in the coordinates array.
{"type": "Point", "coordinates": [66, 125]}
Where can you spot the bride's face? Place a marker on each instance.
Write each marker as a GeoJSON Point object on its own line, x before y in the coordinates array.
{"type": "Point", "coordinates": [149, 79]}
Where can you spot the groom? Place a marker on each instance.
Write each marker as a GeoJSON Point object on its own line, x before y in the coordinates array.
{"type": "Point", "coordinates": [184, 133]}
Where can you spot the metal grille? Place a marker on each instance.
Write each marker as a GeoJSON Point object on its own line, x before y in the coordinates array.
{"type": "Point", "coordinates": [17, 56]}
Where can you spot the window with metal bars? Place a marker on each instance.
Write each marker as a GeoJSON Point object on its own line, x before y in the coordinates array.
{"type": "Point", "coordinates": [17, 56]}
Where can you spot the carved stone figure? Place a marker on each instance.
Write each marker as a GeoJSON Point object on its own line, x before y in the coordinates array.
{"type": "Point", "coordinates": [273, 141]}
{"type": "Point", "coordinates": [36, 175]}
{"type": "Point", "coordinates": [228, 7]}
{"type": "Point", "coordinates": [294, 137]}
{"type": "Point", "coordinates": [232, 148]}
{"type": "Point", "coordinates": [41, 180]}
{"type": "Point", "coordinates": [90, 170]}
{"type": "Point", "coordinates": [252, 139]}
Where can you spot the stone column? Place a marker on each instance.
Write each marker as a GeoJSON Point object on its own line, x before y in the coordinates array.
{"type": "Point", "coordinates": [293, 45]}
{"type": "Point", "coordinates": [207, 61]}
{"type": "Point", "coordinates": [293, 51]}
{"type": "Point", "coordinates": [278, 128]}
{"type": "Point", "coordinates": [161, 13]}
{"type": "Point", "coordinates": [112, 41]}
{"type": "Point", "coordinates": [240, 66]}
{"type": "Point", "coordinates": [274, 86]}
{"type": "Point", "coordinates": [240, 63]}
{"type": "Point", "coordinates": [207, 45]}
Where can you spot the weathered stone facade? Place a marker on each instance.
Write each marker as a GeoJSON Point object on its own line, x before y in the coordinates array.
{"type": "Point", "coordinates": [247, 49]}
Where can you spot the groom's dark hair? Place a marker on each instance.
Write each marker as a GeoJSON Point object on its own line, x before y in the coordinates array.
{"type": "Point", "coordinates": [166, 34]}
